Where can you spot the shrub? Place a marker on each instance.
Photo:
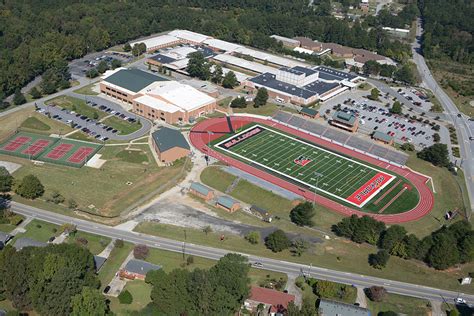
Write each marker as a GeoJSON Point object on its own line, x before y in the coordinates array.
{"type": "Point", "coordinates": [141, 252]}
{"type": "Point", "coordinates": [82, 241]}
{"type": "Point", "coordinates": [118, 243]}
{"type": "Point", "coordinates": [125, 297]}
{"type": "Point", "coordinates": [253, 237]}
{"type": "Point", "coordinates": [379, 260]}
{"type": "Point", "coordinates": [277, 241]}
{"type": "Point", "coordinates": [30, 187]}
{"type": "Point", "coordinates": [376, 293]}
{"type": "Point", "coordinates": [190, 260]}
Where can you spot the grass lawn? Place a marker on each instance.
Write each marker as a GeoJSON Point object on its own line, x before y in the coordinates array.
{"type": "Point", "coordinates": [6, 228]}
{"type": "Point", "coordinates": [77, 105]}
{"type": "Point", "coordinates": [34, 123]}
{"type": "Point", "coordinates": [334, 254]}
{"type": "Point", "coordinates": [132, 156]}
{"type": "Point", "coordinates": [225, 102]}
{"type": "Point", "coordinates": [123, 127]}
{"type": "Point", "coordinates": [172, 260]}
{"type": "Point", "coordinates": [400, 304]}
{"type": "Point", "coordinates": [86, 90]}
{"type": "Point", "coordinates": [112, 189]}
{"type": "Point", "coordinates": [113, 263]}
{"type": "Point", "coordinates": [39, 231]}
{"type": "Point", "coordinates": [216, 178]}
{"type": "Point", "coordinates": [82, 136]}
{"type": "Point", "coordinates": [141, 297]}
{"type": "Point", "coordinates": [95, 243]}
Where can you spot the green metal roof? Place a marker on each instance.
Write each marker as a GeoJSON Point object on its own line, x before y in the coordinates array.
{"type": "Point", "coordinates": [132, 79]}
{"type": "Point", "coordinates": [166, 138]}
{"type": "Point", "coordinates": [344, 117]}
{"type": "Point", "coordinates": [382, 136]}
{"type": "Point", "coordinates": [333, 308]}
{"type": "Point", "coordinates": [225, 201]}
{"type": "Point", "coordinates": [198, 187]}
{"type": "Point", "coordinates": [309, 111]}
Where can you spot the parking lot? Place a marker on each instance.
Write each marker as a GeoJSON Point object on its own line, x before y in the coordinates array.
{"type": "Point", "coordinates": [416, 97]}
{"type": "Point", "coordinates": [79, 67]}
{"type": "Point", "coordinates": [375, 116]}
{"type": "Point", "coordinates": [92, 127]}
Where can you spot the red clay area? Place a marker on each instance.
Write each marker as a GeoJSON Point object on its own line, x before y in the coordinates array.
{"type": "Point", "coordinates": [214, 128]}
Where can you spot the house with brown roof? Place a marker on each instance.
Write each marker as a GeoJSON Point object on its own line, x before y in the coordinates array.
{"type": "Point", "coordinates": [273, 302]}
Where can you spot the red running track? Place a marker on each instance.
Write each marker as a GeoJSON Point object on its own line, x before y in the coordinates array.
{"type": "Point", "coordinates": [200, 137]}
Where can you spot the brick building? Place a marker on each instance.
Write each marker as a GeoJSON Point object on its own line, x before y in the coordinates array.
{"type": "Point", "coordinates": [169, 144]}
{"type": "Point", "coordinates": [346, 121]}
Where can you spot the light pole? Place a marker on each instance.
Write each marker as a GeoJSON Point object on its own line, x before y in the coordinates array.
{"type": "Point", "coordinates": [318, 176]}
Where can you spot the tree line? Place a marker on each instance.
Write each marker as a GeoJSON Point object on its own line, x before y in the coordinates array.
{"type": "Point", "coordinates": [35, 35]}
{"type": "Point", "coordinates": [442, 249]}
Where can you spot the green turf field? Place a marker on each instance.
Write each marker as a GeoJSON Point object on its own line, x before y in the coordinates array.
{"type": "Point", "coordinates": [306, 164]}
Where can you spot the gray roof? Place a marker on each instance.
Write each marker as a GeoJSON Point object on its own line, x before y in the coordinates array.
{"type": "Point", "coordinates": [259, 210]}
{"type": "Point", "coordinates": [333, 308]}
{"type": "Point", "coordinates": [166, 138]}
{"type": "Point", "coordinates": [21, 243]}
{"type": "Point", "coordinates": [99, 262]}
{"type": "Point", "coordinates": [333, 74]}
{"type": "Point", "coordinates": [226, 201]}
{"type": "Point", "coordinates": [309, 111]}
{"type": "Point", "coordinates": [132, 79]}
{"type": "Point", "coordinates": [382, 136]}
{"type": "Point", "coordinates": [163, 59]}
{"type": "Point", "coordinates": [344, 117]}
{"type": "Point", "coordinates": [140, 267]}
{"type": "Point", "coordinates": [198, 187]}
{"type": "Point", "coordinates": [306, 71]}
{"type": "Point", "coordinates": [4, 237]}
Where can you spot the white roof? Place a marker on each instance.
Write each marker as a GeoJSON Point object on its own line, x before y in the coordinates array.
{"type": "Point", "coordinates": [282, 61]}
{"type": "Point", "coordinates": [222, 45]}
{"type": "Point", "coordinates": [189, 36]}
{"type": "Point", "coordinates": [285, 39]}
{"type": "Point", "coordinates": [303, 50]}
{"type": "Point", "coordinates": [179, 52]}
{"type": "Point", "coordinates": [157, 41]}
{"type": "Point", "coordinates": [240, 62]}
{"type": "Point", "coordinates": [179, 64]}
{"type": "Point", "coordinates": [241, 77]}
{"type": "Point", "coordinates": [183, 96]}
{"type": "Point", "coordinates": [157, 104]}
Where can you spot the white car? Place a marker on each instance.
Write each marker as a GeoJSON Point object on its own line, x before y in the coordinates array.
{"type": "Point", "coordinates": [69, 121]}
{"type": "Point", "coordinates": [362, 122]}
{"type": "Point", "coordinates": [460, 300]}
{"type": "Point", "coordinates": [113, 112]}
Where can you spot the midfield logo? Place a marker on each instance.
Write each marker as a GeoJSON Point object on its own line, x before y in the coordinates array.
{"type": "Point", "coordinates": [302, 161]}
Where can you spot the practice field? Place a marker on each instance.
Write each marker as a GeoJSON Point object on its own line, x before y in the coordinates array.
{"type": "Point", "coordinates": [49, 149]}
{"type": "Point", "coordinates": [306, 164]}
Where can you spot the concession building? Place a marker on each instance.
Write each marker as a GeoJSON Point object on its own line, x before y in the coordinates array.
{"type": "Point", "coordinates": [170, 144]}
{"type": "Point", "coordinates": [156, 98]}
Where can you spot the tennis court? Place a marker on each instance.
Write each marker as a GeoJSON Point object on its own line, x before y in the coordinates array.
{"type": "Point", "coordinates": [70, 152]}
{"type": "Point", "coordinates": [306, 164]}
{"type": "Point", "coordinates": [26, 145]}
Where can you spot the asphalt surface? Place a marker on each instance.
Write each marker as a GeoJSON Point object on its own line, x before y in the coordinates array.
{"type": "Point", "coordinates": [464, 128]}
{"type": "Point", "coordinates": [268, 264]}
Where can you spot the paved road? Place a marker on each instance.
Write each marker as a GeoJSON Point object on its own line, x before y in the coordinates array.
{"type": "Point", "coordinates": [269, 264]}
{"type": "Point", "coordinates": [464, 129]}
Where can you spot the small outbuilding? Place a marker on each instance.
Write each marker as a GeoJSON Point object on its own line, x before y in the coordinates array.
{"type": "Point", "coordinates": [383, 138]}
{"type": "Point", "coordinates": [309, 112]}
{"type": "Point", "coordinates": [4, 238]}
{"type": "Point", "coordinates": [99, 262]}
{"type": "Point", "coordinates": [227, 204]}
{"type": "Point", "coordinates": [346, 121]}
{"type": "Point", "coordinates": [201, 191]}
{"type": "Point", "coordinates": [260, 212]}
{"type": "Point", "coordinates": [170, 144]}
{"type": "Point", "coordinates": [333, 308]}
{"type": "Point", "coordinates": [137, 269]}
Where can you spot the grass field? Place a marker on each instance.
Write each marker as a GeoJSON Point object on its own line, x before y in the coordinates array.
{"type": "Point", "coordinates": [34, 123]}
{"type": "Point", "coordinates": [267, 110]}
{"type": "Point", "coordinates": [39, 231]}
{"type": "Point", "coordinates": [113, 263]}
{"type": "Point", "coordinates": [86, 90]}
{"type": "Point", "coordinates": [6, 228]}
{"type": "Point", "coordinates": [106, 188]}
{"type": "Point", "coordinates": [79, 135]}
{"type": "Point", "coordinates": [217, 178]}
{"type": "Point", "coordinates": [76, 105]}
{"type": "Point", "coordinates": [141, 297]}
{"type": "Point", "coordinates": [400, 304]}
{"type": "Point", "coordinates": [123, 127]}
{"type": "Point", "coordinates": [95, 243]}
{"type": "Point", "coordinates": [314, 168]}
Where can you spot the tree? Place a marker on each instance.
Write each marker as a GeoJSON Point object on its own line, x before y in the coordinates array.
{"type": "Point", "coordinates": [118, 243]}
{"type": "Point", "coordinates": [207, 230]}
{"type": "Point", "coordinates": [217, 74]}
{"type": "Point", "coordinates": [35, 94]}
{"type": "Point", "coordinates": [89, 302]}
{"type": "Point", "coordinates": [299, 246]}
{"type": "Point", "coordinates": [116, 63]}
{"type": "Point", "coordinates": [95, 115]}
{"type": "Point", "coordinates": [125, 297]}
{"type": "Point", "coordinates": [379, 260]}
{"type": "Point", "coordinates": [407, 147]}
{"type": "Point", "coordinates": [444, 253]}
{"type": "Point", "coordinates": [71, 204]}
{"type": "Point", "coordinates": [374, 94]}
{"type": "Point", "coordinates": [18, 98]}
{"type": "Point", "coordinates": [230, 80]}
{"type": "Point", "coordinates": [437, 154]}
{"type": "Point", "coordinates": [396, 108]}
{"type": "Point", "coordinates": [238, 102]}
{"type": "Point", "coordinates": [302, 214]}
{"type": "Point", "coordinates": [392, 240]}
{"type": "Point", "coordinates": [325, 289]}
{"type": "Point", "coordinates": [102, 67]}
{"type": "Point", "coordinates": [189, 260]}
{"type": "Point", "coordinates": [92, 73]}
{"type": "Point", "coordinates": [436, 137]}
{"type": "Point", "coordinates": [405, 74]}
{"type": "Point", "coordinates": [253, 237]}
{"type": "Point", "coordinates": [30, 187]}
{"type": "Point", "coordinates": [277, 241]}
{"type": "Point", "coordinates": [56, 197]}
{"type": "Point", "coordinates": [141, 252]}
{"type": "Point", "coordinates": [127, 47]}
{"type": "Point", "coordinates": [376, 293]}
{"type": "Point", "coordinates": [453, 312]}
{"type": "Point", "coordinates": [261, 97]}
{"type": "Point", "coordinates": [360, 229]}
{"type": "Point", "coordinates": [6, 180]}
{"type": "Point", "coordinates": [198, 66]}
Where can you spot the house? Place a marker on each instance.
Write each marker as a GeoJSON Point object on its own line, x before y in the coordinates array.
{"type": "Point", "coordinates": [21, 243]}
{"type": "Point", "coordinates": [309, 112]}
{"type": "Point", "coordinates": [274, 302]}
{"type": "Point", "coordinates": [346, 121]}
{"type": "Point", "coordinates": [137, 269]}
{"type": "Point", "coordinates": [98, 262]}
{"type": "Point", "coordinates": [4, 238]}
{"type": "Point", "coordinates": [364, 6]}
{"type": "Point", "coordinates": [227, 204]}
{"type": "Point", "coordinates": [260, 212]}
{"type": "Point", "coordinates": [333, 308]}
{"type": "Point", "coordinates": [170, 144]}
{"type": "Point", "coordinates": [201, 191]}
{"type": "Point", "coordinates": [383, 138]}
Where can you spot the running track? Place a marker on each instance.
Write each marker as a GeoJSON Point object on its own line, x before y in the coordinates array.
{"type": "Point", "coordinates": [199, 137]}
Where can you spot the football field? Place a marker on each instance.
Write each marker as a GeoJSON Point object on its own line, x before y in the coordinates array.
{"type": "Point", "coordinates": [306, 164]}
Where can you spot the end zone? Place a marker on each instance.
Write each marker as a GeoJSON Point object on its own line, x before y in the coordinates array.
{"type": "Point", "coordinates": [370, 189]}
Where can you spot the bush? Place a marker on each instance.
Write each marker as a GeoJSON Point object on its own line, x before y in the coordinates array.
{"type": "Point", "coordinates": [81, 241]}
{"type": "Point", "coordinates": [125, 297]}
{"type": "Point", "coordinates": [277, 241]}
{"type": "Point", "coordinates": [379, 260]}
{"type": "Point", "coordinates": [141, 252]}
{"type": "Point", "coordinates": [253, 237]}
{"type": "Point", "coordinates": [376, 293]}
{"type": "Point", "coordinates": [71, 204]}
{"type": "Point", "coordinates": [15, 219]}
{"type": "Point", "coordinates": [56, 198]}
{"type": "Point", "coordinates": [118, 243]}
{"type": "Point", "coordinates": [302, 214]}
{"type": "Point", "coordinates": [30, 187]}
{"type": "Point", "coordinates": [190, 260]}
{"type": "Point", "coordinates": [238, 102]}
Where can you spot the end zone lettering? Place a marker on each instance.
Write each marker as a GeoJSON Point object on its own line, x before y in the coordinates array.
{"type": "Point", "coordinates": [242, 137]}
{"type": "Point", "coordinates": [370, 188]}
{"type": "Point", "coordinates": [373, 185]}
